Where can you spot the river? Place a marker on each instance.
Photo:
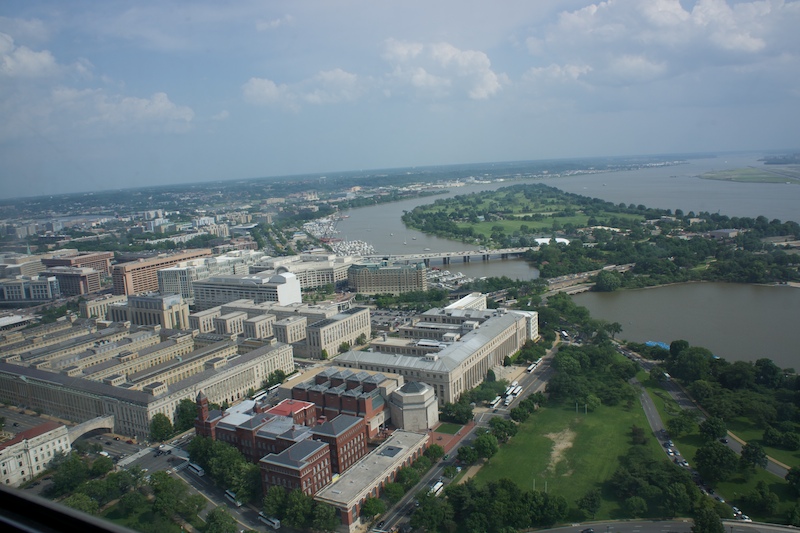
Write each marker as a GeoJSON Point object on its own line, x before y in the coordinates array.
{"type": "Point", "coordinates": [738, 322]}
{"type": "Point", "coordinates": [735, 321]}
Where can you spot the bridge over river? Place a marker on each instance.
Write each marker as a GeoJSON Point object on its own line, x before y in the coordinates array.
{"type": "Point", "coordinates": [447, 257]}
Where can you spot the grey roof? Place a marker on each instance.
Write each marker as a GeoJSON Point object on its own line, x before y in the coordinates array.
{"type": "Point", "coordinates": [296, 456]}
{"type": "Point", "coordinates": [337, 426]}
{"type": "Point", "coordinates": [413, 387]}
{"type": "Point", "coordinates": [446, 360]}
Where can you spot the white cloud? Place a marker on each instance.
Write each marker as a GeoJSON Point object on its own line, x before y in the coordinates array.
{"type": "Point", "coordinates": [441, 66]}
{"type": "Point", "coordinates": [264, 25]}
{"type": "Point", "coordinates": [29, 31]}
{"type": "Point", "coordinates": [22, 62]}
{"type": "Point", "coordinates": [326, 87]}
{"type": "Point", "coordinates": [399, 51]}
{"type": "Point", "coordinates": [263, 91]}
{"type": "Point", "coordinates": [221, 116]}
{"type": "Point", "coordinates": [557, 73]}
{"type": "Point", "coordinates": [334, 86]}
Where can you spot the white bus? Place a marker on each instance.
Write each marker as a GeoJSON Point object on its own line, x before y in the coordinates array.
{"type": "Point", "coordinates": [197, 469]}
{"type": "Point", "coordinates": [232, 497]}
{"type": "Point", "coordinates": [531, 368]}
{"type": "Point", "coordinates": [508, 400]}
{"type": "Point", "coordinates": [514, 384]}
{"type": "Point", "coordinates": [437, 488]}
{"type": "Point", "coordinates": [274, 523]}
{"type": "Point", "coordinates": [538, 361]}
{"type": "Point", "coordinates": [508, 390]}
{"type": "Point", "coordinates": [517, 390]}
{"type": "Point", "coordinates": [496, 402]}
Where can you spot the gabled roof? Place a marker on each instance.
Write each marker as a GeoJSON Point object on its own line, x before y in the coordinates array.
{"type": "Point", "coordinates": [337, 426]}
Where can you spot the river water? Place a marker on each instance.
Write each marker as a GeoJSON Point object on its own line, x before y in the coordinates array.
{"type": "Point", "coordinates": [735, 321]}
{"type": "Point", "coordinates": [738, 322]}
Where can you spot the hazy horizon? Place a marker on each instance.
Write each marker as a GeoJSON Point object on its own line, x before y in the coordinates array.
{"type": "Point", "coordinates": [113, 95]}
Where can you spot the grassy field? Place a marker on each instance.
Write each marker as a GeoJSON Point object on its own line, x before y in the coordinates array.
{"type": "Point", "coordinates": [568, 453]}
{"type": "Point", "coordinates": [739, 485]}
{"type": "Point", "coordinates": [511, 225]}
{"type": "Point", "coordinates": [448, 428]}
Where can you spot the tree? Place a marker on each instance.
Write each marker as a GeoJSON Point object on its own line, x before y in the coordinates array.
{"type": "Point", "coordinates": [607, 281]}
{"type": "Point", "coordinates": [467, 455]}
{"type": "Point", "coordinates": [490, 377]}
{"type": "Point", "coordinates": [343, 347]}
{"type": "Point", "coordinates": [219, 520]}
{"type": "Point", "coordinates": [160, 427]}
{"type": "Point", "coordinates": [132, 503]}
{"type": "Point", "coordinates": [275, 502]}
{"type": "Point", "coordinates": [793, 478]}
{"type": "Point", "coordinates": [676, 499]}
{"type": "Point", "coordinates": [486, 445]}
{"type": "Point", "coordinates": [324, 354]}
{"type": "Point", "coordinates": [590, 502]}
{"type": "Point", "coordinates": [185, 415]}
{"type": "Point", "coordinates": [713, 428]}
{"type": "Point", "coordinates": [449, 471]}
{"type": "Point", "coordinates": [683, 423]}
{"type": "Point", "coordinates": [101, 466]}
{"type": "Point", "coordinates": [715, 461]}
{"type": "Point", "coordinates": [372, 507]}
{"type": "Point", "coordinates": [299, 509]}
{"type": "Point", "coordinates": [753, 454]}
{"type": "Point", "coordinates": [638, 435]}
{"type": "Point", "coordinates": [82, 502]}
{"type": "Point", "coordinates": [635, 506]}
{"type": "Point", "coordinates": [434, 452]}
{"type": "Point", "coordinates": [407, 476]}
{"type": "Point", "coordinates": [324, 518]}
{"type": "Point", "coordinates": [394, 492]}
{"type": "Point", "coordinates": [71, 473]}
{"type": "Point", "coordinates": [169, 493]}
{"type": "Point", "coordinates": [707, 521]}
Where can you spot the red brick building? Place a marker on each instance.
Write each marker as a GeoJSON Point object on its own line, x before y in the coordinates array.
{"type": "Point", "coordinates": [343, 391]}
{"type": "Point", "coordinates": [305, 466]}
{"type": "Point", "coordinates": [347, 437]}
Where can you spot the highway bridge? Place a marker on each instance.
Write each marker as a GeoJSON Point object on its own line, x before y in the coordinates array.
{"type": "Point", "coordinates": [447, 257]}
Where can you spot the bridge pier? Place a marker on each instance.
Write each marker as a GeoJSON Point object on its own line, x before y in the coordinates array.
{"type": "Point", "coordinates": [503, 256]}
{"type": "Point", "coordinates": [466, 259]}
{"type": "Point", "coordinates": [427, 262]}
{"type": "Point", "coordinates": [446, 260]}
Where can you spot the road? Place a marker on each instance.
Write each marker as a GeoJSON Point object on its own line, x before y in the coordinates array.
{"type": "Point", "coordinates": [685, 402]}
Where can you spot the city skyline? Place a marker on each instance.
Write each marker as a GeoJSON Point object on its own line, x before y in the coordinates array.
{"type": "Point", "coordinates": [112, 96]}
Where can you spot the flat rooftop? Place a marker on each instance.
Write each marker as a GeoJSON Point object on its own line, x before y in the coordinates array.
{"type": "Point", "coordinates": [371, 469]}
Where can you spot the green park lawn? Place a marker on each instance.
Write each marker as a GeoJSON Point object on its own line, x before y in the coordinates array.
{"type": "Point", "coordinates": [734, 489]}
{"type": "Point", "coordinates": [448, 428]}
{"type": "Point", "coordinates": [568, 453]}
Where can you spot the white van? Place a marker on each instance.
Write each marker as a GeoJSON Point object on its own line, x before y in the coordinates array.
{"type": "Point", "coordinates": [274, 523]}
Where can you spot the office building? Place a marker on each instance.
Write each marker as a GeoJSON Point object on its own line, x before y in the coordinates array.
{"type": "Point", "coordinates": [27, 454]}
{"type": "Point", "coordinates": [167, 310]}
{"type": "Point", "coordinates": [75, 281]}
{"type": "Point", "coordinates": [225, 371]}
{"type": "Point", "coordinates": [99, 306]}
{"type": "Point", "coordinates": [281, 289]}
{"type": "Point", "coordinates": [179, 279]}
{"type": "Point", "coordinates": [367, 477]}
{"type": "Point", "coordinates": [461, 365]}
{"type": "Point", "coordinates": [30, 288]}
{"type": "Point", "coordinates": [99, 261]}
{"type": "Point", "coordinates": [142, 275]}
{"type": "Point", "coordinates": [312, 270]}
{"type": "Point", "coordinates": [386, 278]}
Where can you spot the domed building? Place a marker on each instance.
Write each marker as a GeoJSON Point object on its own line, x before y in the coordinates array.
{"type": "Point", "coordinates": [414, 407]}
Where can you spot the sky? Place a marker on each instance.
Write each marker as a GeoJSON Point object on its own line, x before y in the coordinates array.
{"type": "Point", "coordinates": [115, 94]}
